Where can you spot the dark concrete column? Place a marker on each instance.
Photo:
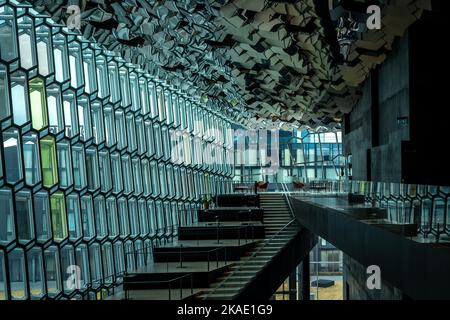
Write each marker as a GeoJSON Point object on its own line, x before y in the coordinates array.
{"type": "Point", "coordinates": [303, 280]}
{"type": "Point", "coordinates": [293, 285]}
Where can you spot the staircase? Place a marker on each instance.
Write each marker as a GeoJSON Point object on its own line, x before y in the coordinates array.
{"type": "Point", "coordinates": [277, 216]}
{"type": "Point", "coordinates": [276, 212]}
{"type": "Point", "coordinates": [258, 267]}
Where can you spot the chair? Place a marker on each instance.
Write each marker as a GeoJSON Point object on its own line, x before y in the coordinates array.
{"type": "Point", "coordinates": [297, 185]}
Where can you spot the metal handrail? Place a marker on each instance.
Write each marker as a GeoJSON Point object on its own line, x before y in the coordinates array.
{"type": "Point", "coordinates": [265, 243]}
{"type": "Point", "coordinates": [291, 209]}
{"type": "Point", "coordinates": [208, 252]}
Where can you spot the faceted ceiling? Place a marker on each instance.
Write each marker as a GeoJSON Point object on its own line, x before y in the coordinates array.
{"type": "Point", "coordinates": [273, 62]}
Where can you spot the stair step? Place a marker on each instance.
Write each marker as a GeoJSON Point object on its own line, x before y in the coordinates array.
{"type": "Point", "coordinates": [220, 296]}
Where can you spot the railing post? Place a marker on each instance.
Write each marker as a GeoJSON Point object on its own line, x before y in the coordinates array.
{"type": "Point", "coordinates": [208, 261]}
{"type": "Point", "coordinates": [192, 283]}
{"type": "Point", "coordinates": [246, 234]}
{"type": "Point", "coordinates": [126, 263]}
{"type": "Point", "coordinates": [217, 259]}
{"type": "Point", "coordinates": [217, 224]}
{"type": "Point", "coordinates": [170, 296]}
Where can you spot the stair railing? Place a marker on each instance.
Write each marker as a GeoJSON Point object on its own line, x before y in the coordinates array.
{"type": "Point", "coordinates": [265, 243]}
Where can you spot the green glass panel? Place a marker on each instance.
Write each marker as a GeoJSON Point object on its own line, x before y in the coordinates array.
{"type": "Point", "coordinates": [38, 101]}
{"type": "Point", "coordinates": [49, 164]}
{"type": "Point", "coordinates": [59, 216]}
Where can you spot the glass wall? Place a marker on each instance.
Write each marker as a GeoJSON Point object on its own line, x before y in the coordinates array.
{"type": "Point", "coordinates": [303, 156]}
{"type": "Point", "coordinates": [87, 158]}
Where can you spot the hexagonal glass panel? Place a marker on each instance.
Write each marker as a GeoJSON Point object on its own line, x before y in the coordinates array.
{"type": "Point", "coordinates": [61, 59]}
{"type": "Point", "coordinates": [3, 280]}
{"type": "Point", "coordinates": [21, 113]}
{"type": "Point", "coordinates": [113, 222]}
{"type": "Point", "coordinates": [84, 118]}
{"type": "Point", "coordinates": [108, 262]}
{"type": "Point", "coordinates": [44, 52]}
{"type": "Point", "coordinates": [90, 74]}
{"type": "Point", "coordinates": [7, 230]}
{"type": "Point", "coordinates": [76, 65]}
{"type": "Point", "coordinates": [65, 164]}
{"type": "Point", "coordinates": [67, 264]}
{"type": "Point", "coordinates": [12, 154]}
{"type": "Point", "coordinates": [53, 271]}
{"type": "Point", "coordinates": [27, 42]}
{"type": "Point", "coordinates": [100, 217]}
{"type": "Point", "coordinates": [8, 42]}
{"type": "Point", "coordinates": [59, 216]}
{"type": "Point", "coordinates": [36, 273]}
{"type": "Point", "coordinates": [74, 217]}
{"type": "Point", "coordinates": [4, 92]}
{"type": "Point", "coordinates": [102, 76]}
{"type": "Point", "coordinates": [31, 159]}
{"type": "Point", "coordinates": [87, 214]}
{"type": "Point", "coordinates": [24, 216]}
{"type": "Point", "coordinates": [95, 259]}
{"type": "Point", "coordinates": [113, 76]}
{"type": "Point", "coordinates": [38, 103]}
{"type": "Point", "coordinates": [54, 106]}
{"type": "Point", "coordinates": [82, 259]}
{"type": "Point", "coordinates": [92, 170]}
{"type": "Point", "coordinates": [49, 163]}
{"type": "Point", "coordinates": [17, 275]}
{"type": "Point", "coordinates": [70, 114]}
{"type": "Point", "coordinates": [42, 216]}
{"type": "Point", "coordinates": [105, 171]}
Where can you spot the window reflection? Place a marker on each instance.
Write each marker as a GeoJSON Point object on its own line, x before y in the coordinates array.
{"type": "Point", "coordinates": [74, 217]}
{"type": "Point", "coordinates": [42, 216]}
{"type": "Point", "coordinates": [53, 271]}
{"type": "Point", "coordinates": [36, 273]}
{"type": "Point", "coordinates": [59, 217]}
{"type": "Point", "coordinates": [94, 150]}
{"type": "Point", "coordinates": [17, 275]}
{"type": "Point", "coordinates": [27, 42]}
{"type": "Point", "coordinates": [44, 52]}
{"type": "Point", "coordinates": [31, 159]}
{"type": "Point", "coordinates": [13, 159]}
{"type": "Point", "coordinates": [4, 92]}
{"type": "Point", "coordinates": [19, 98]}
{"type": "Point", "coordinates": [7, 230]}
{"type": "Point", "coordinates": [3, 280]}
{"type": "Point", "coordinates": [8, 44]}
{"type": "Point", "coordinates": [49, 164]}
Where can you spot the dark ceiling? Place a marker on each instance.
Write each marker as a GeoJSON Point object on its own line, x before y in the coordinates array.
{"type": "Point", "coordinates": [275, 62]}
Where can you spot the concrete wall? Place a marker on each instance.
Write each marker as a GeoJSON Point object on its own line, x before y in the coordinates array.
{"type": "Point", "coordinates": [359, 139]}
{"type": "Point", "coordinates": [398, 130]}
{"type": "Point", "coordinates": [380, 120]}
{"type": "Point", "coordinates": [355, 277]}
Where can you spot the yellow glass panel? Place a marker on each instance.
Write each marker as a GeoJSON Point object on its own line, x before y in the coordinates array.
{"type": "Point", "coordinates": [59, 217]}
{"type": "Point", "coordinates": [38, 102]}
{"type": "Point", "coordinates": [49, 164]}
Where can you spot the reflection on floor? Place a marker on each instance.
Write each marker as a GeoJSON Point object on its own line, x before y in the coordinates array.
{"type": "Point", "coordinates": [334, 292]}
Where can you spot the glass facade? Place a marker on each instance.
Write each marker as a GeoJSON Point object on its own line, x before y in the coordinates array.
{"type": "Point", "coordinates": [302, 155]}
{"type": "Point", "coordinates": [87, 166]}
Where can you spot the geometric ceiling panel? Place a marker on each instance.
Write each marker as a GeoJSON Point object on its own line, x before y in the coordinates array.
{"type": "Point", "coordinates": [274, 62]}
